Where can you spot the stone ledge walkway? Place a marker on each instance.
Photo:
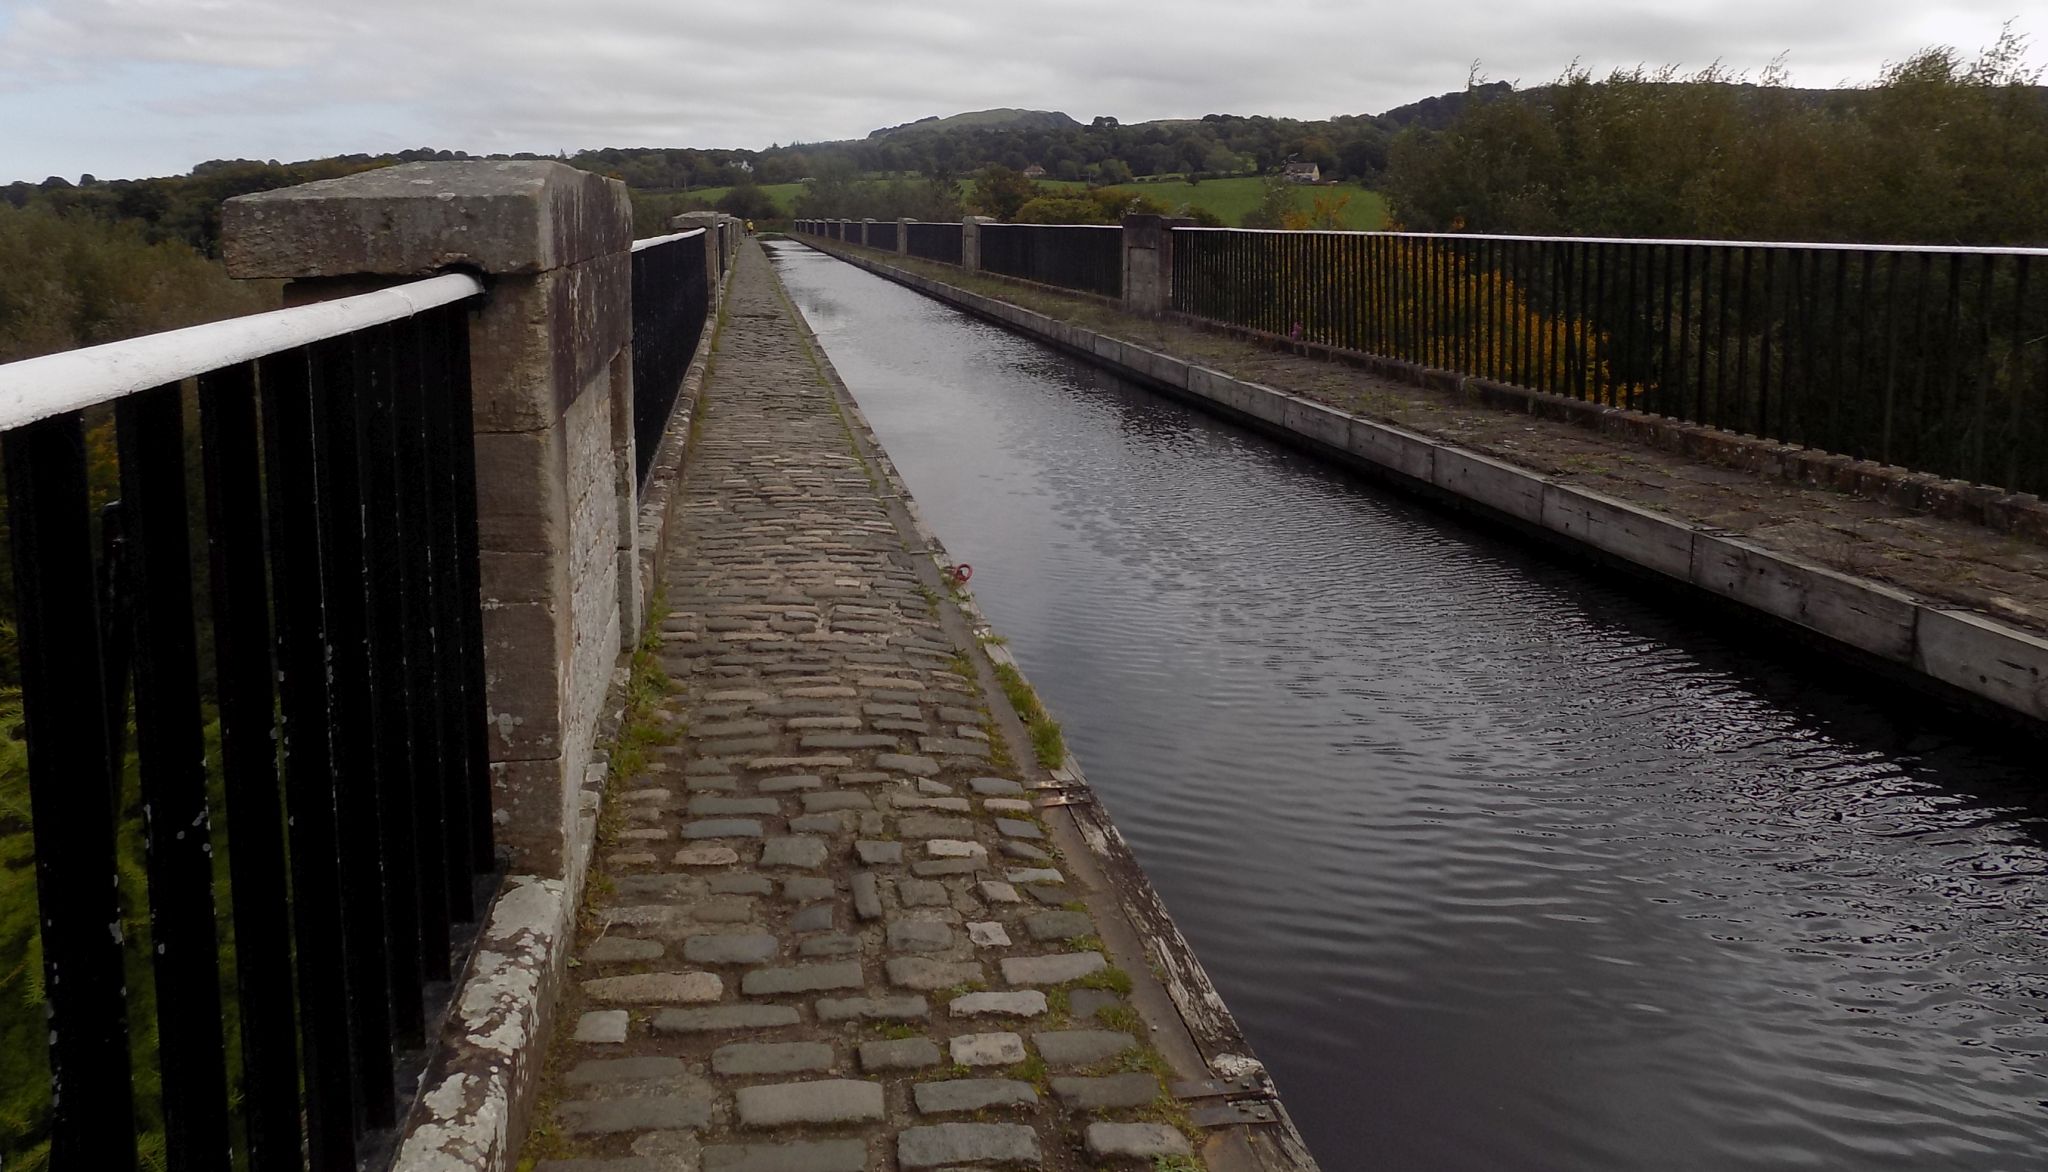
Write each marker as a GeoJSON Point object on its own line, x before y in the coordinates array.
{"type": "Point", "coordinates": [829, 933]}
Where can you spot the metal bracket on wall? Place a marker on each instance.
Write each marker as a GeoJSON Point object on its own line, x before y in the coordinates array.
{"type": "Point", "coordinates": [1059, 794]}
{"type": "Point", "coordinates": [1227, 1102]}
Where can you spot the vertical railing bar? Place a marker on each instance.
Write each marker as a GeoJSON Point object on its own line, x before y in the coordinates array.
{"type": "Point", "coordinates": [2015, 416]}
{"type": "Point", "coordinates": [437, 383]}
{"type": "Point", "coordinates": [1951, 361]}
{"type": "Point", "coordinates": [259, 873]}
{"type": "Point", "coordinates": [423, 639]}
{"type": "Point", "coordinates": [171, 757]}
{"type": "Point", "coordinates": [1921, 348]}
{"type": "Point", "coordinates": [1837, 384]}
{"type": "Point", "coordinates": [1982, 365]}
{"type": "Point", "coordinates": [72, 770]}
{"type": "Point", "coordinates": [389, 695]}
{"type": "Point", "coordinates": [1553, 327]}
{"type": "Point", "coordinates": [291, 455]}
{"type": "Point", "coordinates": [337, 406]}
{"type": "Point", "coordinates": [1771, 318]}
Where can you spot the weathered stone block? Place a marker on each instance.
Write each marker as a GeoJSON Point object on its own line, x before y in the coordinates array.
{"type": "Point", "coordinates": [748, 1058]}
{"type": "Point", "coordinates": [415, 219]}
{"type": "Point", "coordinates": [1030, 1003]}
{"type": "Point", "coordinates": [833, 1155]}
{"type": "Point", "coordinates": [746, 948]}
{"type": "Point", "coordinates": [827, 1101]}
{"type": "Point", "coordinates": [1081, 1047]}
{"type": "Point", "coordinates": [972, 1094]}
{"type": "Point", "coordinates": [656, 988]}
{"type": "Point", "coordinates": [806, 978]}
{"type": "Point", "coordinates": [946, 1145]}
{"type": "Point", "coordinates": [899, 1054]}
{"type": "Point", "coordinates": [1108, 1092]}
{"type": "Point", "coordinates": [647, 1113]}
{"type": "Point", "coordinates": [725, 1017]}
{"type": "Point", "coordinates": [1053, 970]}
{"type": "Point", "coordinates": [1135, 1141]}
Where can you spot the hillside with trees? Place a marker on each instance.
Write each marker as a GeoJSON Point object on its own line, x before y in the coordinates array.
{"type": "Point", "coordinates": [1943, 149]}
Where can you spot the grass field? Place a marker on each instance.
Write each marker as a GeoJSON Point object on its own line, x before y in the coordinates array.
{"type": "Point", "coordinates": [1231, 199]}
{"type": "Point", "coordinates": [784, 194]}
{"type": "Point", "coordinates": [1228, 199]}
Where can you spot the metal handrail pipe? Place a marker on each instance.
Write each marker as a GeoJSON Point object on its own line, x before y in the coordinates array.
{"type": "Point", "coordinates": [72, 380]}
{"type": "Point", "coordinates": [671, 238]}
{"type": "Point", "coordinates": [1962, 249]}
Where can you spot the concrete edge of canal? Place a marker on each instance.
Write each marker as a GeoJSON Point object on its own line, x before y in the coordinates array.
{"type": "Point", "coordinates": [1964, 657]}
{"type": "Point", "coordinates": [1226, 1089]}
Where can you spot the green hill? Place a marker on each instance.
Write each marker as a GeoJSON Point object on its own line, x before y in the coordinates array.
{"type": "Point", "coordinates": [1003, 118]}
{"type": "Point", "coordinates": [784, 194]}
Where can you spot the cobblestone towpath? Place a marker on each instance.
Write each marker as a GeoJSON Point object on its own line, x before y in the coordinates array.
{"type": "Point", "coordinates": [828, 932]}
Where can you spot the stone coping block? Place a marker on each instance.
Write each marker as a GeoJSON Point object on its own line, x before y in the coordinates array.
{"type": "Point", "coordinates": [416, 219]}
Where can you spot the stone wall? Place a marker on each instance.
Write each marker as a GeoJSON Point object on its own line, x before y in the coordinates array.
{"type": "Point", "coordinates": [550, 377]}
{"type": "Point", "coordinates": [593, 539]}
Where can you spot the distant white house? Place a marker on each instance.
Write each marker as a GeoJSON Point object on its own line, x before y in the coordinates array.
{"type": "Point", "coordinates": [1034, 171]}
{"type": "Point", "coordinates": [1303, 173]}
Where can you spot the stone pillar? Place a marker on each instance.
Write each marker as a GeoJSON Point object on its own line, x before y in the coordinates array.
{"type": "Point", "coordinates": [714, 225]}
{"type": "Point", "coordinates": [970, 242]}
{"type": "Point", "coordinates": [867, 228]}
{"type": "Point", "coordinates": [552, 386]}
{"type": "Point", "coordinates": [903, 236]}
{"type": "Point", "coordinates": [1148, 262]}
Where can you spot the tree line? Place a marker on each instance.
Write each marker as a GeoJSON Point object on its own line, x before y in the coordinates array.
{"type": "Point", "coordinates": [1943, 149]}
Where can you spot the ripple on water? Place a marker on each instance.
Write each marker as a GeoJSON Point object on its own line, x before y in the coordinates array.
{"type": "Point", "coordinates": [1500, 866]}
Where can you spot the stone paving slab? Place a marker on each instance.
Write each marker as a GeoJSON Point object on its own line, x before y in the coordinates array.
{"type": "Point", "coordinates": [830, 934]}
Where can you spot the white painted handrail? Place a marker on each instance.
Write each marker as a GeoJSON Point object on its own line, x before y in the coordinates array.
{"type": "Point", "coordinates": [651, 241]}
{"type": "Point", "coordinates": [37, 388]}
{"type": "Point", "coordinates": [1963, 249]}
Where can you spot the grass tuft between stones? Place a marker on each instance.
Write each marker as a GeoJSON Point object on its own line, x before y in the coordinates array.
{"type": "Point", "coordinates": [1048, 744]}
{"type": "Point", "coordinates": [1113, 979]}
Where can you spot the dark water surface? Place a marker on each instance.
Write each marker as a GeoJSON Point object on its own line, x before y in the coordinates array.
{"type": "Point", "coordinates": [1500, 865]}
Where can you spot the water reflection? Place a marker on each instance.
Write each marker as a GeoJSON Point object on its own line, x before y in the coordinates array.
{"type": "Point", "coordinates": [1500, 865]}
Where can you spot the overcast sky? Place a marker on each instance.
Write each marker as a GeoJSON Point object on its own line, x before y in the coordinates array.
{"type": "Point", "coordinates": [123, 88]}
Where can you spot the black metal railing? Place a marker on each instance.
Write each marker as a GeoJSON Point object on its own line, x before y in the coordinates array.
{"type": "Point", "coordinates": [934, 241]}
{"type": "Point", "coordinates": [326, 630]}
{"type": "Point", "coordinates": [1087, 257]}
{"type": "Point", "coordinates": [671, 299]}
{"type": "Point", "coordinates": [1934, 359]}
{"type": "Point", "coordinates": [882, 235]}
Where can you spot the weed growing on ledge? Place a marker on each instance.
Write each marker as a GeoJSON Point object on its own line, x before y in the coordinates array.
{"type": "Point", "coordinates": [1048, 744]}
{"type": "Point", "coordinates": [642, 728]}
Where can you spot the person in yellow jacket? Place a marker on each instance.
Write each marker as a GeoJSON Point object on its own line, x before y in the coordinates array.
{"type": "Point", "coordinates": [750, 227]}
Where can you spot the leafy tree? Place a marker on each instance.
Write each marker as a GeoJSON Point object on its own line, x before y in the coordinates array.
{"type": "Point", "coordinates": [1276, 203]}
{"type": "Point", "coordinates": [1113, 171]}
{"type": "Point", "coordinates": [1101, 205]}
{"type": "Point", "coordinates": [1000, 191]}
{"type": "Point", "coordinates": [748, 202]}
{"type": "Point", "coordinates": [1943, 149]}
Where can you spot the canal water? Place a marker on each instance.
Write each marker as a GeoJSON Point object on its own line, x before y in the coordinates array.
{"type": "Point", "coordinates": [1501, 865]}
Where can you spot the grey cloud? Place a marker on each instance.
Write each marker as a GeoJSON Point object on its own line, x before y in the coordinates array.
{"type": "Point", "coordinates": [296, 78]}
